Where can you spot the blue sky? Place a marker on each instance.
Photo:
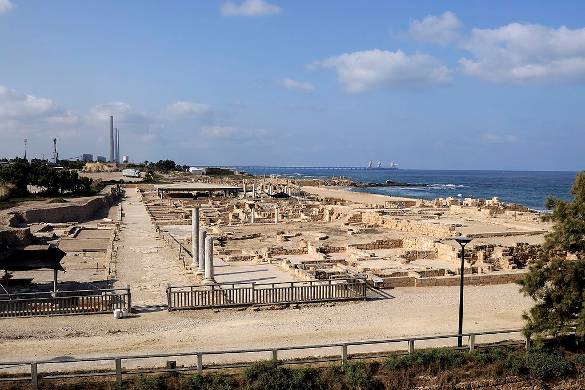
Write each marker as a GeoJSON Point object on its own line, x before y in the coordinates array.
{"type": "Point", "coordinates": [445, 85]}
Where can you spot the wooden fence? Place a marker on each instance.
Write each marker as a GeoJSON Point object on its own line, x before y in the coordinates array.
{"type": "Point", "coordinates": [226, 295]}
{"type": "Point", "coordinates": [119, 366]}
{"type": "Point", "coordinates": [65, 303]}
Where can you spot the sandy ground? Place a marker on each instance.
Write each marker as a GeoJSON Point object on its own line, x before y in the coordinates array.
{"type": "Point", "coordinates": [144, 261]}
{"type": "Point", "coordinates": [411, 312]}
{"type": "Point", "coordinates": [351, 196]}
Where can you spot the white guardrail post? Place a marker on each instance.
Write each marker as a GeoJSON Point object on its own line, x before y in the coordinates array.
{"type": "Point", "coordinates": [34, 377]}
{"type": "Point", "coordinates": [275, 356]}
{"type": "Point", "coordinates": [471, 342]}
{"type": "Point", "coordinates": [199, 363]}
{"type": "Point", "coordinates": [119, 372]}
{"type": "Point", "coordinates": [344, 354]}
{"type": "Point", "coordinates": [410, 347]}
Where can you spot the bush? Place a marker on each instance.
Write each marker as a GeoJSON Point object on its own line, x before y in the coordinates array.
{"type": "Point", "coordinates": [361, 376]}
{"type": "Point", "coordinates": [548, 365]}
{"type": "Point", "coordinates": [578, 359]}
{"type": "Point", "coordinates": [437, 359]}
{"type": "Point", "coordinates": [490, 355]}
{"type": "Point", "coordinates": [149, 382]}
{"type": "Point", "coordinates": [268, 376]}
{"type": "Point", "coordinates": [210, 382]}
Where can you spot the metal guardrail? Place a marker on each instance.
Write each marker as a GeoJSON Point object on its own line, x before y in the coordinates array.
{"type": "Point", "coordinates": [227, 295]}
{"type": "Point", "coordinates": [65, 302]}
{"type": "Point", "coordinates": [343, 356]}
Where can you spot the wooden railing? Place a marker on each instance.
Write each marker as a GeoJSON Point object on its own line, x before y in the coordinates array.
{"type": "Point", "coordinates": [226, 295]}
{"type": "Point", "coordinates": [65, 303]}
{"type": "Point", "coordinates": [196, 361]}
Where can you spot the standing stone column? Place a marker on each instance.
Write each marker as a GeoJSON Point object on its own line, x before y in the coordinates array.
{"type": "Point", "coordinates": [244, 187]}
{"type": "Point", "coordinates": [253, 190]}
{"type": "Point", "coordinates": [201, 265]}
{"type": "Point", "coordinates": [252, 214]}
{"type": "Point", "coordinates": [276, 214]}
{"type": "Point", "coordinates": [209, 261]}
{"type": "Point", "coordinates": [195, 236]}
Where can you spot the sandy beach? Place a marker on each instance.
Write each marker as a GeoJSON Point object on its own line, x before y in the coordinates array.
{"type": "Point", "coordinates": [346, 194]}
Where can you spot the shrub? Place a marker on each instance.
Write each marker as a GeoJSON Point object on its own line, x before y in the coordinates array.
{"type": "Point", "coordinates": [210, 382]}
{"type": "Point", "coordinates": [548, 365]}
{"type": "Point", "coordinates": [578, 359]}
{"type": "Point", "coordinates": [490, 355]}
{"type": "Point", "coordinates": [149, 382]}
{"type": "Point", "coordinates": [439, 358]}
{"type": "Point", "coordinates": [514, 363]}
{"type": "Point", "coordinates": [361, 376]}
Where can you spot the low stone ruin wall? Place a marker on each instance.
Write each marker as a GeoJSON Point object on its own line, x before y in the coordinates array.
{"type": "Point", "coordinates": [379, 244]}
{"type": "Point", "coordinates": [411, 255]}
{"type": "Point", "coordinates": [280, 251]}
{"type": "Point", "coordinates": [435, 281]}
{"type": "Point", "coordinates": [66, 212]}
{"type": "Point", "coordinates": [408, 226]}
{"type": "Point", "coordinates": [471, 280]}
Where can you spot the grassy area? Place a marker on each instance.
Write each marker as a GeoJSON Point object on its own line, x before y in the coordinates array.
{"type": "Point", "coordinates": [444, 368]}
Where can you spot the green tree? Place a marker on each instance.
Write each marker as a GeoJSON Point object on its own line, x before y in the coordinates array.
{"type": "Point", "coordinates": [16, 172]}
{"type": "Point", "coordinates": [556, 280]}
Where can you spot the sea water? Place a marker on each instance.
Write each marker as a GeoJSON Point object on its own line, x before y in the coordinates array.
{"type": "Point", "coordinates": [530, 188]}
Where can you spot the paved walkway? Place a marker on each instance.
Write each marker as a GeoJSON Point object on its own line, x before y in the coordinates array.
{"type": "Point", "coordinates": [145, 262]}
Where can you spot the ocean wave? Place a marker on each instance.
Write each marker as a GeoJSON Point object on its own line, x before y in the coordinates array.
{"type": "Point", "coordinates": [446, 186]}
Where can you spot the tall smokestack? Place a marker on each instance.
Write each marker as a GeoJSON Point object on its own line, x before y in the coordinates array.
{"type": "Point", "coordinates": [111, 138]}
{"type": "Point", "coordinates": [117, 146]}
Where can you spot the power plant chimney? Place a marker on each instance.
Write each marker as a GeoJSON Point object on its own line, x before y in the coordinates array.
{"type": "Point", "coordinates": [112, 138]}
{"type": "Point", "coordinates": [117, 146]}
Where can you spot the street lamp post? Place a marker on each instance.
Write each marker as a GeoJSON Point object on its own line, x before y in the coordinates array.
{"type": "Point", "coordinates": [462, 240]}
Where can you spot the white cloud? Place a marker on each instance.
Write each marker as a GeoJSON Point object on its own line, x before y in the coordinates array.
{"type": "Point", "coordinates": [5, 6]}
{"type": "Point", "coordinates": [249, 8]}
{"type": "Point", "coordinates": [493, 138]}
{"type": "Point", "coordinates": [526, 53]}
{"type": "Point", "coordinates": [299, 86]}
{"type": "Point", "coordinates": [23, 109]}
{"type": "Point", "coordinates": [183, 108]}
{"type": "Point", "coordinates": [122, 112]}
{"type": "Point", "coordinates": [363, 70]}
{"type": "Point", "coordinates": [232, 133]}
{"type": "Point", "coordinates": [437, 29]}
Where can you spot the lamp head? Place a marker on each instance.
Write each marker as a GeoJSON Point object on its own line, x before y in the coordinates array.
{"type": "Point", "coordinates": [463, 240]}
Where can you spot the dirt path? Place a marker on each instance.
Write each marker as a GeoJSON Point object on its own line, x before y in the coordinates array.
{"type": "Point", "coordinates": [144, 261]}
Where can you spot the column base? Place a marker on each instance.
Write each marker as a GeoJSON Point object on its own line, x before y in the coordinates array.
{"type": "Point", "coordinates": [208, 282]}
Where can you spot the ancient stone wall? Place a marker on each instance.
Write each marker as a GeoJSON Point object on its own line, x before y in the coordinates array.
{"type": "Point", "coordinates": [379, 244]}
{"type": "Point", "coordinates": [67, 212]}
{"type": "Point", "coordinates": [408, 226]}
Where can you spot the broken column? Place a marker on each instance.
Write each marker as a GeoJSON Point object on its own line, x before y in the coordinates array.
{"type": "Point", "coordinates": [201, 265]}
{"type": "Point", "coordinates": [209, 261]}
{"type": "Point", "coordinates": [244, 187]}
{"type": "Point", "coordinates": [252, 213]}
{"type": "Point", "coordinates": [276, 214]}
{"type": "Point", "coordinates": [195, 236]}
{"type": "Point", "coordinates": [253, 190]}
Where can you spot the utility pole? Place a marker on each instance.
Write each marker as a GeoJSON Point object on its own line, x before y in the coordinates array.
{"type": "Point", "coordinates": [25, 141]}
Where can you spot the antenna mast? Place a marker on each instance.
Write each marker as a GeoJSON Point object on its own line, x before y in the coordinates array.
{"type": "Point", "coordinates": [55, 154]}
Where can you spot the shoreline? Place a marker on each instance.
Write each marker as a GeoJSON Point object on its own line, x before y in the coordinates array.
{"type": "Point", "coordinates": [345, 193]}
